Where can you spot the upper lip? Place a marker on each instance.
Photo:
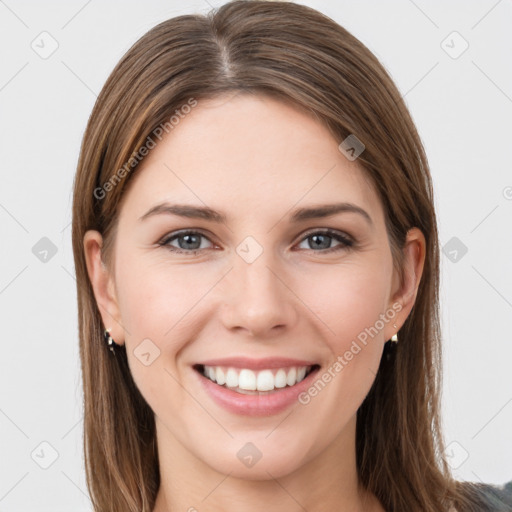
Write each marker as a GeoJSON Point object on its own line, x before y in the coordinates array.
{"type": "Point", "coordinates": [257, 364]}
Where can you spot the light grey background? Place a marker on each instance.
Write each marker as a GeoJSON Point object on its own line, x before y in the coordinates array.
{"type": "Point", "coordinates": [462, 107]}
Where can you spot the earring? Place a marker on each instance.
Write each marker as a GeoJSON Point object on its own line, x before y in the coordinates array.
{"type": "Point", "coordinates": [110, 342]}
{"type": "Point", "coordinates": [394, 338]}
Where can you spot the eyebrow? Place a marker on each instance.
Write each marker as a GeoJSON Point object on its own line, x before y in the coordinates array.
{"type": "Point", "coordinates": [298, 215]}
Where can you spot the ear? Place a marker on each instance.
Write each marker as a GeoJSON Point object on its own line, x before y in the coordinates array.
{"type": "Point", "coordinates": [103, 286]}
{"type": "Point", "coordinates": [407, 290]}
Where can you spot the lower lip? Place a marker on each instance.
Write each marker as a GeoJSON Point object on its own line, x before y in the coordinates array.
{"type": "Point", "coordinates": [256, 405]}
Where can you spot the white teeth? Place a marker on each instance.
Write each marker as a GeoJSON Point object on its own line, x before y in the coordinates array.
{"type": "Point", "coordinates": [291, 378]}
{"type": "Point", "coordinates": [248, 380]}
{"type": "Point", "coordinates": [265, 381]}
{"type": "Point", "coordinates": [280, 379]}
{"type": "Point", "coordinates": [231, 378]}
{"type": "Point", "coordinates": [220, 376]}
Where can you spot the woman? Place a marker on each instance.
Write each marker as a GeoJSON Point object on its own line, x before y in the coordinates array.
{"type": "Point", "coordinates": [289, 359]}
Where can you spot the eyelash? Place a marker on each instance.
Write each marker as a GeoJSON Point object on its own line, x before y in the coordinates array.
{"type": "Point", "coordinates": [347, 242]}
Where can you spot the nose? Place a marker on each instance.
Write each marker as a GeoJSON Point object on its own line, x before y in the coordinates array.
{"type": "Point", "coordinates": [258, 298]}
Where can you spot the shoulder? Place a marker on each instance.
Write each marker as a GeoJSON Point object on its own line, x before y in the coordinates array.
{"type": "Point", "coordinates": [499, 496]}
{"type": "Point", "coordinates": [493, 498]}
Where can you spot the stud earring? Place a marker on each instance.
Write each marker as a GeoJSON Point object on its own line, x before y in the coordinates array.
{"type": "Point", "coordinates": [110, 342]}
{"type": "Point", "coordinates": [394, 338]}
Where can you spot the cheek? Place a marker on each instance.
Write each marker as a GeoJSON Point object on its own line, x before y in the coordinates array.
{"type": "Point", "coordinates": [348, 299]}
{"type": "Point", "coordinates": [158, 301]}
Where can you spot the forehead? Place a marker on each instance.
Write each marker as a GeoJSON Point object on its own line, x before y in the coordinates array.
{"type": "Point", "coordinates": [241, 153]}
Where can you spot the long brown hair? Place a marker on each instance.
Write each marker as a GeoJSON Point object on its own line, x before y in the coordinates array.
{"type": "Point", "coordinates": [295, 54]}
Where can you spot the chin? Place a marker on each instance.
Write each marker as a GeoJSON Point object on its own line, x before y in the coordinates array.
{"type": "Point", "coordinates": [257, 460]}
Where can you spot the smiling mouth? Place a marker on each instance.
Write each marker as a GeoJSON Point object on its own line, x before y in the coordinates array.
{"type": "Point", "coordinates": [249, 382]}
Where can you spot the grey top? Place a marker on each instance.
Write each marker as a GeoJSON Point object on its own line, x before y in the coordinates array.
{"type": "Point", "coordinates": [497, 499]}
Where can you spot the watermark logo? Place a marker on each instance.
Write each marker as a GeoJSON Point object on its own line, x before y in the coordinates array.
{"type": "Point", "coordinates": [44, 250]}
{"type": "Point", "coordinates": [454, 45]}
{"type": "Point", "coordinates": [45, 45]}
{"type": "Point", "coordinates": [454, 249]}
{"type": "Point", "coordinates": [456, 455]}
{"type": "Point", "coordinates": [44, 455]}
{"type": "Point", "coordinates": [249, 249]}
{"type": "Point", "coordinates": [249, 455]}
{"type": "Point", "coordinates": [352, 147]}
{"type": "Point", "coordinates": [146, 352]}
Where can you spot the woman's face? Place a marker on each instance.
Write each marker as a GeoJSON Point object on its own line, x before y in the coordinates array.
{"type": "Point", "coordinates": [265, 283]}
